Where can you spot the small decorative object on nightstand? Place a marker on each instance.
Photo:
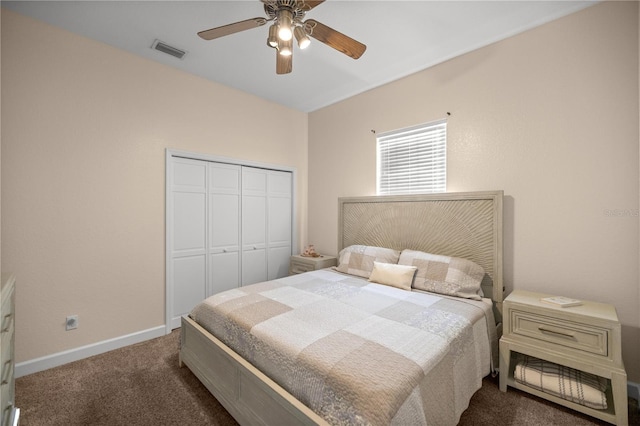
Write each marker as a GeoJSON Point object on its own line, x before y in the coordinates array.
{"type": "Point", "coordinates": [565, 347]}
{"type": "Point", "coordinates": [310, 251]}
{"type": "Point", "coordinates": [299, 264]}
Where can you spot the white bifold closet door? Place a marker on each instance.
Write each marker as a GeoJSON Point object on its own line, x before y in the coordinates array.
{"type": "Point", "coordinates": [279, 223]}
{"type": "Point", "coordinates": [266, 224]}
{"type": "Point", "coordinates": [230, 225]}
{"type": "Point", "coordinates": [189, 235]}
{"type": "Point", "coordinates": [224, 227]}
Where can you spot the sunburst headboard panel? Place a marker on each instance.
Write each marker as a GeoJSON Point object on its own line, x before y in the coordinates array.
{"type": "Point", "coordinates": [463, 224]}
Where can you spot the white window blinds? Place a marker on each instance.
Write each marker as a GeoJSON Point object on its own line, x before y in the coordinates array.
{"type": "Point", "coordinates": [413, 160]}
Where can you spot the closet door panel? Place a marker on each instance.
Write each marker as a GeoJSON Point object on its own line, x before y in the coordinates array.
{"type": "Point", "coordinates": [254, 181]}
{"type": "Point", "coordinates": [279, 184]}
{"type": "Point", "coordinates": [224, 226]}
{"type": "Point", "coordinates": [189, 279]}
{"type": "Point", "coordinates": [189, 222]}
{"type": "Point", "coordinates": [189, 206]}
{"type": "Point", "coordinates": [254, 260]}
{"type": "Point", "coordinates": [279, 258]}
{"type": "Point", "coordinates": [254, 225]}
{"type": "Point", "coordinates": [224, 272]}
{"type": "Point", "coordinates": [254, 222]}
{"type": "Point", "coordinates": [254, 266]}
{"type": "Point", "coordinates": [225, 178]}
{"type": "Point", "coordinates": [189, 235]}
{"type": "Point", "coordinates": [279, 229]}
{"type": "Point", "coordinates": [225, 222]}
{"type": "Point", "coordinates": [189, 174]}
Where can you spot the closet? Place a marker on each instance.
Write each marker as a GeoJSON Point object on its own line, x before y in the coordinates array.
{"type": "Point", "coordinates": [228, 225]}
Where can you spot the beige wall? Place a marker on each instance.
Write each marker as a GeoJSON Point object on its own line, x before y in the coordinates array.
{"type": "Point", "coordinates": [550, 116]}
{"type": "Point", "coordinates": [83, 142]}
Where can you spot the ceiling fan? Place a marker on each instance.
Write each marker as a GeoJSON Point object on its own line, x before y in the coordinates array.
{"type": "Point", "coordinates": [288, 22]}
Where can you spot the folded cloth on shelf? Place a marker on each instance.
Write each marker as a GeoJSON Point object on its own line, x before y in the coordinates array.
{"type": "Point", "coordinates": [564, 382]}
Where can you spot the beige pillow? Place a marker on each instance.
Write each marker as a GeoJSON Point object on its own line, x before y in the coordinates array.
{"type": "Point", "coordinates": [452, 276]}
{"type": "Point", "coordinates": [400, 276]}
{"type": "Point", "coordinates": [358, 260]}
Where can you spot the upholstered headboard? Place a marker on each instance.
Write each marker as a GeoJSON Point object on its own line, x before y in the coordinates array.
{"type": "Point", "coordinates": [464, 224]}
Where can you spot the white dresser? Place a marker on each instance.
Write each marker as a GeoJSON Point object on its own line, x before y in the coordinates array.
{"type": "Point", "coordinates": [585, 337]}
{"type": "Point", "coordinates": [10, 413]}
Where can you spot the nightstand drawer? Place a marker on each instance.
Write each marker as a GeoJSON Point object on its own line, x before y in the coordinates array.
{"type": "Point", "coordinates": [299, 268]}
{"type": "Point", "coordinates": [300, 264]}
{"type": "Point", "coordinates": [560, 332]}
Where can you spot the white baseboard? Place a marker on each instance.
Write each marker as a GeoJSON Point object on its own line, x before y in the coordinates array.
{"type": "Point", "coordinates": [40, 364]}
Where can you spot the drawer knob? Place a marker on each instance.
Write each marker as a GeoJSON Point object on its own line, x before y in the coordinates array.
{"type": "Point", "coordinates": [556, 332]}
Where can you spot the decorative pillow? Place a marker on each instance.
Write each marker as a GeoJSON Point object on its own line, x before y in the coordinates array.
{"type": "Point", "coordinates": [400, 276]}
{"type": "Point", "coordinates": [358, 260]}
{"type": "Point", "coordinates": [452, 276]}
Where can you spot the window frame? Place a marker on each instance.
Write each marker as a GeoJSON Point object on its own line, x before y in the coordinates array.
{"type": "Point", "coordinates": [429, 138]}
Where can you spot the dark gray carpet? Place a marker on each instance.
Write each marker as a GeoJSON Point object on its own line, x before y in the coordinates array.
{"type": "Point", "coordinates": [143, 385]}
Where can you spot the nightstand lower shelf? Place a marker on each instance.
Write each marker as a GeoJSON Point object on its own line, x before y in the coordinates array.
{"type": "Point", "coordinates": [607, 415]}
{"type": "Point", "coordinates": [616, 392]}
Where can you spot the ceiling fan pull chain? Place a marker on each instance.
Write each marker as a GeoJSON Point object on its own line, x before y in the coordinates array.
{"type": "Point", "coordinates": [309, 27]}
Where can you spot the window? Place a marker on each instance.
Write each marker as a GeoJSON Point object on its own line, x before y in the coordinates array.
{"type": "Point", "coordinates": [413, 160]}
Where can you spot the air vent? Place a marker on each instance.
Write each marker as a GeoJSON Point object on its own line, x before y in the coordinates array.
{"type": "Point", "coordinates": [169, 50]}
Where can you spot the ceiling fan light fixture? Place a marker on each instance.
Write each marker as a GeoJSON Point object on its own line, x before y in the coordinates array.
{"type": "Point", "coordinates": [272, 40]}
{"type": "Point", "coordinates": [287, 19]}
{"type": "Point", "coordinates": [285, 22]}
{"type": "Point", "coordinates": [285, 48]}
{"type": "Point", "coordinates": [301, 36]}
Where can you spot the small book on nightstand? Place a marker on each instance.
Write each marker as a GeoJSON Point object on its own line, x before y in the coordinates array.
{"type": "Point", "coordinates": [561, 301]}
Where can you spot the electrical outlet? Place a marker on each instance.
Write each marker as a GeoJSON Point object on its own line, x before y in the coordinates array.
{"type": "Point", "coordinates": [72, 322]}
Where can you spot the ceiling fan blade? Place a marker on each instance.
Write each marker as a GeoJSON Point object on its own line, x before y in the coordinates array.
{"type": "Point", "coordinates": [335, 39]}
{"type": "Point", "coordinates": [284, 64]}
{"type": "Point", "coordinates": [308, 4]}
{"type": "Point", "coordinates": [232, 28]}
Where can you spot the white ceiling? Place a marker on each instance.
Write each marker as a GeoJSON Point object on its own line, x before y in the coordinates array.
{"type": "Point", "coordinates": [402, 37]}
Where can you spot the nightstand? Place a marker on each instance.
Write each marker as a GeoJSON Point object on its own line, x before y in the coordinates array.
{"type": "Point", "coordinates": [584, 337]}
{"type": "Point", "coordinates": [299, 264]}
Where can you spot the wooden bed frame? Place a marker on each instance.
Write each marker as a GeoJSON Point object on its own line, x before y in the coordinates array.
{"type": "Point", "coordinates": [467, 225]}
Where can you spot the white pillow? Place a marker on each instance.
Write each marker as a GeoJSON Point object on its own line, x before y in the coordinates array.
{"type": "Point", "coordinates": [400, 276]}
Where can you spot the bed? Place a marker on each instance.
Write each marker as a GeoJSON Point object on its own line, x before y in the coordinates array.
{"type": "Point", "coordinates": [390, 355]}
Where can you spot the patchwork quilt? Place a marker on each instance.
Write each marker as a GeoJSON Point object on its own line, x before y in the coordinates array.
{"type": "Point", "coordinates": [357, 352]}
